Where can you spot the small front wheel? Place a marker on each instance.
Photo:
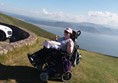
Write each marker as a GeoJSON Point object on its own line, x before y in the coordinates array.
{"type": "Point", "coordinates": [44, 76]}
{"type": "Point", "coordinates": [66, 76]}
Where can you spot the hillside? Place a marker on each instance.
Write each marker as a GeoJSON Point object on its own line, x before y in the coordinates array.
{"type": "Point", "coordinates": [15, 67]}
{"type": "Point", "coordinates": [30, 27]}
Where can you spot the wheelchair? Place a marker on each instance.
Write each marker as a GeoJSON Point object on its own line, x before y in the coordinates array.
{"type": "Point", "coordinates": [52, 63]}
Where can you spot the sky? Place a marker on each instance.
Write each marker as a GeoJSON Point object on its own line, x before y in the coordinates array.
{"type": "Point", "coordinates": [103, 12]}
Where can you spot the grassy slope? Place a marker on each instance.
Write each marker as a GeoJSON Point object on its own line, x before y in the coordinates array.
{"type": "Point", "coordinates": [93, 68]}
{"type": "Point", "coordinates": [28, 26]}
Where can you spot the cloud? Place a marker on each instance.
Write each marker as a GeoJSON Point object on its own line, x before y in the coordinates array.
{"type": "Point", "coordinates": [1, 4]}
{"type": "Point", "coordinates": [98, 17]}
{"type": "Point", "coordinates": [102, 17]}
{"type": "Point", "coordinates": [59, 16]}
{"type": "Point", "coordinates": [45, 11]}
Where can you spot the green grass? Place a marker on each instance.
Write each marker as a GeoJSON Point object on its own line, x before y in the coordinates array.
{"type": "Point", "coordinates": [93, 68]}
{"type": "Point", "coordinates": [97, 68]}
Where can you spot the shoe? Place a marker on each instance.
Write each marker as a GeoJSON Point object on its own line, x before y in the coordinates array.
{"type": "Point", "coordinates": [31, 59]}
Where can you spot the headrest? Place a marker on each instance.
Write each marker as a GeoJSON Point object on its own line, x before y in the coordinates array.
{"type": "Point", "coordinates": [75, 35]}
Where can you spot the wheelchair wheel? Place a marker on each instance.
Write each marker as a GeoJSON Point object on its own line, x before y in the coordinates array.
{"type": "Point", "coordinates": [66, 76]}
{"type": "Point", "coordinates": [44, 76]}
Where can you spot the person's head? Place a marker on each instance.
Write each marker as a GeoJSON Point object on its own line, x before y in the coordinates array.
{"type": "Point", "coordinates": [68, 32]}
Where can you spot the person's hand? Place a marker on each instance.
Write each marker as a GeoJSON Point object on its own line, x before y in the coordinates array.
{"type": "Point", "coordinates": [56, 38]}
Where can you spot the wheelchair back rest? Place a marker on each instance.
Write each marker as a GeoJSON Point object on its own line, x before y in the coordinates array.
{"type": "Point", "coordinates": [75, 35]}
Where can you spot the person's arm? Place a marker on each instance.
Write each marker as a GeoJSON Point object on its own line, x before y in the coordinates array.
{"type": "Point", "coordinates": [70, 47]}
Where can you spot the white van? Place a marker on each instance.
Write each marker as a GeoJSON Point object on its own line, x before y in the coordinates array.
{"type": "Point", "coordinates": [5, 32]}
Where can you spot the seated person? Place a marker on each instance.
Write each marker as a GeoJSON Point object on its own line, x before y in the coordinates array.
{"type": "Point", "coordinates": [67, 43]}
{"type": "Point", "coordinates": [64, 43]}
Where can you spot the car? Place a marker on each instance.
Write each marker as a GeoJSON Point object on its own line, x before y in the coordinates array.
{"type": "Point", "coordinates": [5, 32]}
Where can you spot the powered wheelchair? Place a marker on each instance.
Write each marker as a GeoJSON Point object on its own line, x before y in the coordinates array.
{"type": "Point", "coordinates": [56, 63]}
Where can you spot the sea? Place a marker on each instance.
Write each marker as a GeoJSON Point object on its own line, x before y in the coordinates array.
{"type": "Point", "coordinates": [100, 43]}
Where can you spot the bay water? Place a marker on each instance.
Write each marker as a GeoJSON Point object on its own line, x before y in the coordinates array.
{"type": "Point", "coordinates": [100, 43]}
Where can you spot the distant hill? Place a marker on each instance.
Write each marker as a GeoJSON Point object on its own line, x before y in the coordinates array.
{"type": "Point", "coordinates": [83, 26]}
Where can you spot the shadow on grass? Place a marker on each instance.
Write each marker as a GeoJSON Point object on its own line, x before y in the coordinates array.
{"type": "Point", "coordinates": [21, 74]}
{"type": "Point", "coordinates": [56, 79]}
